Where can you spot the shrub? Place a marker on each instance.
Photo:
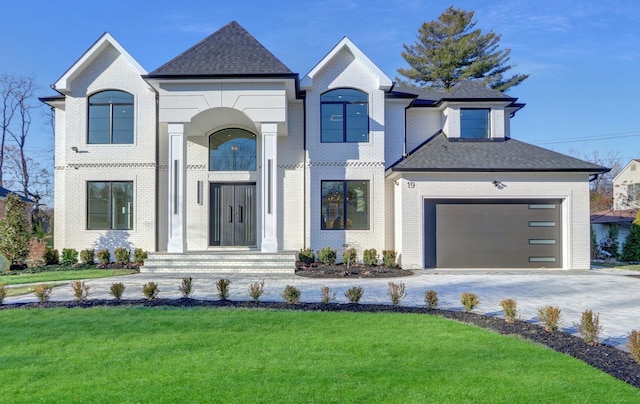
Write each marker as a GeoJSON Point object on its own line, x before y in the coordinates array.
{"type": "Point", "coordinates": [186, 287]}
{"type": "Point", "coordinates": [389, 258]}
{"type": "Point", "coordinates": [634, 345]}
{"type": "Point", "coordinates": [139, 255]}
{"type": "Point", "coordinates": [256, 290]}
{"type": "Point", "coordinates": [469, 301]}
{"type": "Point", "coordinates": [150, 290]}
{"type": "Point", "coordinates": [306, 256]}
{"type": "Point", "coordinates": [69, 256]}
{"type": "Point", "coordinates": [291, 294]}
{"type": "Point", "coordinates": [3, 292]}
{"type": "Point", "coordinates": [15, 231]}
{"type": "Point", "coordinates": [43, 292]}
{"type": "Point", "coordinates": [122, 255]}
{"type": "Point", "coordinates": [117, 289]}
{"type": "Point", "coordinates": [37, 249]}
{"type": "Point", "coordinates": [80, 290]}
{"type": "Point", "coordinates": [104, 256]}
{"type": "Point", "coordinates": [550, 317]}
{"type": "Point", "coordinates": [396, 292]}
{"type": "Point", "coordinates": [326, 295]}
{"type": "Point", "coordinates": [431, 299]}
{"type": "Point", "coordinates": [370, 257]}
{"type": "Point", "coordinates": [223, 288]}
{"type": "Point", "coordinates": [327, 255]}
{"type": "Point", "coordinates": [509, 307]}
{"type": "Point", "coordinates": [354, 294]}
{"type": "Point", "coordinates": [51, 256]}
{"type": "Point", "coordinates": [349, 256]}
{"type": "Point", "coordinates": [5, 265]}
{"type": "Point", "coordinates": [631, 247]}
{"type": "Point", "coordinates": [590, 327]}
{"type": "Point", "coordinates": [88, 256]}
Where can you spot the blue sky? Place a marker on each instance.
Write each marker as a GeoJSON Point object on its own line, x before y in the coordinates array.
{"type": "Point", "coordinates": [583, 56]}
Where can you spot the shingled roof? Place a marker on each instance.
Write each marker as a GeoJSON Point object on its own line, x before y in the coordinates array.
{"type": "Point", "coordinates": [440, 154]}
{"type": "Point", "coordinates": [230, 51]}
{"type": "Point", "coordinates": [465, 90]}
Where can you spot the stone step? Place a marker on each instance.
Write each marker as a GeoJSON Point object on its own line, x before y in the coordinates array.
{"type": "Point", "coordinates": [220, 262]}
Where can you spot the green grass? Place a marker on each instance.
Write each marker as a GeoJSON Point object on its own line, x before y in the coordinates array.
{"type": "Point", "coordinates": [158, 355]}
{"type": "Point", "coordinates": [63, 276]}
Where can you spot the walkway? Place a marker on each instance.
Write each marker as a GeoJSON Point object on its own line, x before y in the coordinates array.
{"type": "Point", "coordinates": [614, 294]}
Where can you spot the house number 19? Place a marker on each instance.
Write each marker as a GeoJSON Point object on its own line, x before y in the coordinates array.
{"type": "Point", "coordinates": [411, 184]}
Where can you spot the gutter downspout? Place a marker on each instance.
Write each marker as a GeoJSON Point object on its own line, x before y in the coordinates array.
{"type": "Point", "coordinates": [304, 171]}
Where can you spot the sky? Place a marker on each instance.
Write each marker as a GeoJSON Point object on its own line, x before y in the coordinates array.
{"type": "Point", "coordinates": [583, 56]}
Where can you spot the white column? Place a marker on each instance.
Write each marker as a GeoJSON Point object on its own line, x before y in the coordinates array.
{"type": "Point", "coordinates": [177, 220]}
{"type": "Point", "coordinates": [269, 187]}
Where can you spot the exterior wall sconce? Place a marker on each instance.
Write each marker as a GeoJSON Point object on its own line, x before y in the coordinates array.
{"type": "Point", "coordinates": [74, 148]}
{"type": "Point", "coordinates": [498, 184]}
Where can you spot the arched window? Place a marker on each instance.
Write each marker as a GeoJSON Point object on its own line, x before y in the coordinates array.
{"type": "Point", "coordinates": [111, 118]}
{"type": "Point", "coordinates": [232, 150]}
{"type": "Point", "coordinates": [345, 116]}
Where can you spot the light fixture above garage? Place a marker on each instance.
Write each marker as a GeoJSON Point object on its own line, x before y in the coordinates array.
{"type": "Point", "coordinates": [498, 184]}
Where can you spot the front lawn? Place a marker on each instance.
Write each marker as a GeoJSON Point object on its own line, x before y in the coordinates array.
{"type": "Point", "coordinates": [141, 354]}
{"type": "Point", "coordinates": [53, 276]}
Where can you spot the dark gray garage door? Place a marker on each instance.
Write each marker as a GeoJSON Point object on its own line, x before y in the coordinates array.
{"type": "Point", "coordinates": [493, 234]}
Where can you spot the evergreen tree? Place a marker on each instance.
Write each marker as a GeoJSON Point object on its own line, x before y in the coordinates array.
{"type": "Point", "coordinates": [15, 232]}
{"type": "Point", "coordinates": [449, 50]}
{"type": "Point", "coordinates": [631, 248]}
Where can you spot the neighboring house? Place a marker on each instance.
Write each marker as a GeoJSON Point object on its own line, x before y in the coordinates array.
{"type": "Point", "coordinates": [619, 221]}
{"type": "Point", "coordinates": [28, 203]}
{"type": "Point", "coordinates": [223, 148]}
{"type": "Point", "coordinates": [626, 187]}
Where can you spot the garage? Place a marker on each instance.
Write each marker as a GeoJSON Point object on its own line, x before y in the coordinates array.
{"type": "Point", "coordinates": [510, 233]}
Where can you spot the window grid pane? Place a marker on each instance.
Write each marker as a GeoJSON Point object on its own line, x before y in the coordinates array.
{"type": "Point", "coordinates": [109, 205]}
{"type": "Point", "coordinates": [345, 205]}
{"type": "Point", "coordinates": [474, 123]}
{"type": "Point", "coordinates": [111, 119]}
{"type": "Point", "coordinates": [344, 116]}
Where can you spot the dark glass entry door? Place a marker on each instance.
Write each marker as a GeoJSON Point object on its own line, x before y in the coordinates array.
{"type": "Point", "coordinates": [232, 214]}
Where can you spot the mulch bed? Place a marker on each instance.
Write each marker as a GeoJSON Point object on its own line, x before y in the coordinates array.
{"type": "Point", "coordinates": [318, 270]}
{"type": "Point", "coordinates": [608, 359]}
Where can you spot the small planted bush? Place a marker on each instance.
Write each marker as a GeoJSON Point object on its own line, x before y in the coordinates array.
{"type": "Point", "coordinates": [389, 258]}
{"type": "Point", "coordinates": [354, 294]}
{"type": "Point", "coordinates": [43, 292]}
{"type": "Point", "coordinates": [139, 255]}
{"type": "Point", "coordinates": [326, 295]}
{"type": "Point", "coordinates": [104, 256]}
{"type": "Point", "coordinates": [510, 309]}
{"type": "Point", "coordinates": [3, 292]}
{"type": "Point", "coordinates": [186, 287]}
{"type": "Point", "coordinates": [51, 256]}
{"type": "Point", "coordinates": [223, 288]}
{"type": "Point", "coordinates": [150, 290]}
{"type": "Point", "coordinates": [116, 290]}
{"type": "Point", "coordinates": [122, 255]}
{"type": "Point", "coordinates": [589, 327]}
{"type": "Point", "coordinates": [327, 255]}
{"type": "Point", "coordinates": [431, 299]}
{"type": "Point", "coordinates": [291, 294]}
{"type": "Point", "coordinates": [306, 256]}
{"type": "Point", "coordinates": [37, 248]}
{"type": "Point", "coordinates": [370, 257]}
{"type": "Point", "coordinates": [469, 301]}
{"type": "Point", "coordinates": [256, 290]}
{"type": "Point", "coordinates": [550, 317]}
{"type": "Point", "coordinates": [80, 290]}
{"type": "Point", "coordinates": [69, 256]}
{"type": "Point", "coordinates": [634, 345]}
{"type": "Point", "coordinates": [396, 292]}
{"type": "Point", "coordinates": [88, 256]}
{"type": "Point", "coordinates": [349, 256]}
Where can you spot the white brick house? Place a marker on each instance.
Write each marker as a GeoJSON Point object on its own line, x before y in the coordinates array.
{"type": "Point", "coordinates": [223, 148]}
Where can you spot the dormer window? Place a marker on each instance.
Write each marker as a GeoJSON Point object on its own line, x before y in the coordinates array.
{"type": "Point", "coordinates": [345, 116]}
{"type": "Point", "coordinates": [474, 123]}
{"type": "Point", "coordinates": [111, 118]}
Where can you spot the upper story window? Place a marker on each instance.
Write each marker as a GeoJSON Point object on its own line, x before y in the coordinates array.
{"type": "Point", "coordinates": [232, 150]}
{"type": "Point", "coordinates": [474, 123]}
{"type": "Point", "coordinates": [111, 118]}
{"type": "Point", "coordinates": [345, 116]}
{"type": "Point", "coordinates": [633, 192]}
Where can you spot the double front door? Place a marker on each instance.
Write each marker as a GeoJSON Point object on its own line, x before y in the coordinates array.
{"type": "Point", "coordinates": [232, 214]}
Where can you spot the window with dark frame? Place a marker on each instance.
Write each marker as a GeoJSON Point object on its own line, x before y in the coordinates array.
{"type": "Point", "coordinates": [474, 123]}
{"type": "Point", "coordinates": [344, 116]}
{"type": "Point", "coordinates": [110, 205]}
{"type": "Point", "coordinates": [110, 118]}
{"type": "Point", "coordinates": [633, 192]}
{"type": "Point", "coordinates": [345, 205]}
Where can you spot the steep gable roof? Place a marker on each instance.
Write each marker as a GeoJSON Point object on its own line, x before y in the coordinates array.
{"type": "Point", "coordinates": [63, 83]}
{"type": "Point", "coordinates": [440, 154]}
{"type": "Point", "coordinates": [229, 51]}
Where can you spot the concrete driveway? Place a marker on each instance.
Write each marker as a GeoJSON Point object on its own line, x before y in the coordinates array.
{"type": "Point", "coordinates": [615, 294]}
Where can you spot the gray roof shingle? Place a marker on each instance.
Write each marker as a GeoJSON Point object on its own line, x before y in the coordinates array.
{"type": "Point", "coordinates": [229, 51]}
{"type": "Point", "coordinates": [440, 154]}
{"type": "Point", "coordinates": [465, 90]}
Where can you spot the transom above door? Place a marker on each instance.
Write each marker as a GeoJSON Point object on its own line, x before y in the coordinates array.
{"type": "Point", "coordinates": [232, 214]}
{"type": "Point", "coordinates": [232, 150]}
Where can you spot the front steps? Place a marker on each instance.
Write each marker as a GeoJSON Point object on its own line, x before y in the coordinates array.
{"type": "Point", "coordinates": [221, 262]}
